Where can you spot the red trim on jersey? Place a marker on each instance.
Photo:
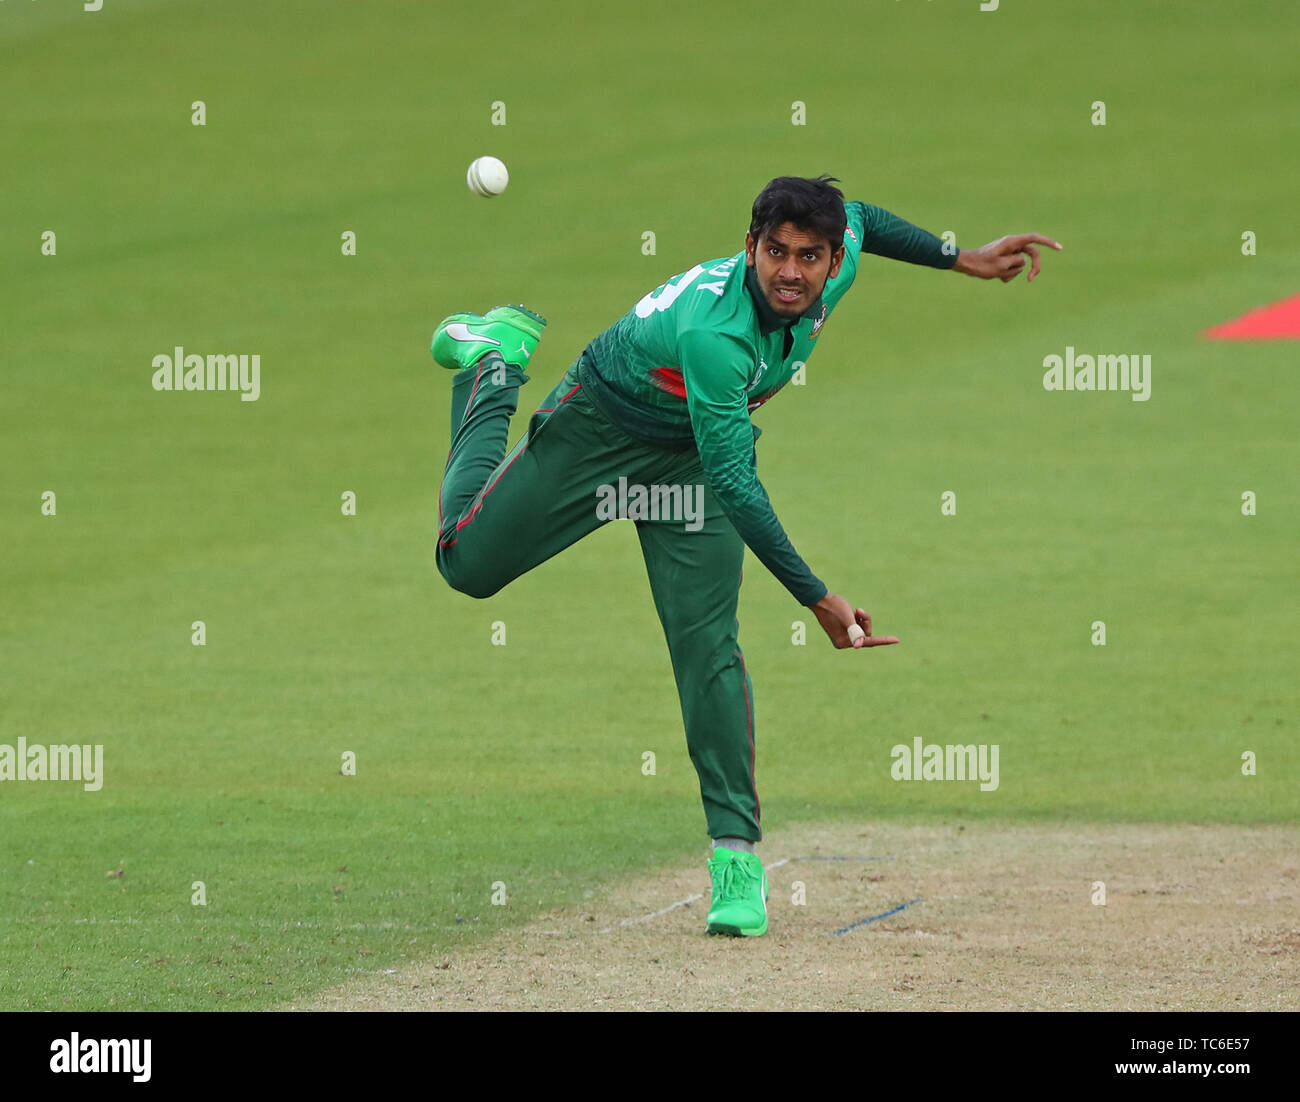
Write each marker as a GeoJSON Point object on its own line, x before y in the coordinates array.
{"type": "Point", "coordinates": [478, 375]}
{"type": "Point", "coordinates": [749, 731]}
{"type": "Point", "coordinates": [669, 379]}
{"type": "Point", "coordinates": [560, 402]}
{"type": "Point", "coordinates": [479, 504]}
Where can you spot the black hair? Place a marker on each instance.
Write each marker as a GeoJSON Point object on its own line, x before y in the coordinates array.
{"type": "Point", "coordinates": [813, 205]}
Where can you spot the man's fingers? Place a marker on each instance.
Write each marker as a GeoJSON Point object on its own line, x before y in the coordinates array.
{"type": "Point", "coordinates": [1008, 255]}
{"type": "Point", "coordinates": [1034, 270]}
{"type": "Point", "coordinates": [1018, 241]}
{"type": "Point", "coordinates": [860, 633]}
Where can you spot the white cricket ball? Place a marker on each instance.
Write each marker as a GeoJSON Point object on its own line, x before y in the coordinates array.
{"type": "Point", "coordinates": [487, 176]}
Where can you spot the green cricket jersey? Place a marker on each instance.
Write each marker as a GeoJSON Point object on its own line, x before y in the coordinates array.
{"type": "Point", "coordinates": [695, 357]}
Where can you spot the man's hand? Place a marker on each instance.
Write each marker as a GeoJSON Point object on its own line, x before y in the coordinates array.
{"type": "Point", "coordinates": [1004, 258]}
{"type": "Point", "coordinates": [836, 617]}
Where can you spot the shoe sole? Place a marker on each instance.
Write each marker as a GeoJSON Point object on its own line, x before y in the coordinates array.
{"type": "Point", "coordinates": [519, 316]}
{"type": "Point", "coordinates": [736, 931]}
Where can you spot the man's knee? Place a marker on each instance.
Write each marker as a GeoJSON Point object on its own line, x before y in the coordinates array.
{"type": "Point", "coordinates": [703, 648]}
{"type": "Point", "coordinates": [463, 577]}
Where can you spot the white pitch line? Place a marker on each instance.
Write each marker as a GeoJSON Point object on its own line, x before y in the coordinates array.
{"type": "Point", "coordinates": [681, 902]}
{"type": "Point", "coordinates": [663, 910]}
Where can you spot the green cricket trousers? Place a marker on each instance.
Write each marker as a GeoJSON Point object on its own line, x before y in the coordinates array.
{"type": "Point", "coordinates": [501, 515]}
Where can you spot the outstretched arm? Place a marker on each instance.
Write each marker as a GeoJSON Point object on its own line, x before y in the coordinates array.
{"type": "Point", "coordinates": [885, 234]}
{"type": "Point", "coordinates": [1004, 258]}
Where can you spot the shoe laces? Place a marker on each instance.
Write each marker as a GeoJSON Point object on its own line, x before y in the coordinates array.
{"type": "Point", "coordinates": [735, 880]}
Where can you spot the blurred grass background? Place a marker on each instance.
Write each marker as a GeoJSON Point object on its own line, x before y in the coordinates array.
{"type": "Point", "coordinates": [521, 763]}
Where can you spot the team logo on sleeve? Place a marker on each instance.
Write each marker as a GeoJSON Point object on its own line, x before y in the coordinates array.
{"type": "Point", "coordinates": [849, 231]}
{"type": "Point", "coordinates": [817, 325]}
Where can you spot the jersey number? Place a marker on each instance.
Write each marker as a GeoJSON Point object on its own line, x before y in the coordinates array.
{"type": "Point", "coordinates": [663, 297]}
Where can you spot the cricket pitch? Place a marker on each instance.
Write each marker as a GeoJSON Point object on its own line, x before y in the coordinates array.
{"type": "Point", "coordinates": [984, 917]}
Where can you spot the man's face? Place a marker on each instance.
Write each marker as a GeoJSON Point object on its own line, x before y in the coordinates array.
{"type": "Point", "coordinates": [792, 267]}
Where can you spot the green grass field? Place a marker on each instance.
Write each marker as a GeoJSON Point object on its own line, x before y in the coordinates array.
{"type": "Point", "coordinates": [522, 763]}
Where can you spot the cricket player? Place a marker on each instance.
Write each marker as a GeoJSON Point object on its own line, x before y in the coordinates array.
{"type": "Point", "coordinates": [659, 406]}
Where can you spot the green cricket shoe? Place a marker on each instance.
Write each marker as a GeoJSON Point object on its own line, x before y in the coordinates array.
{"type": "Point", "coordinates": [739, 907]}
{"type": "Point", "coordinates": [461, 340]}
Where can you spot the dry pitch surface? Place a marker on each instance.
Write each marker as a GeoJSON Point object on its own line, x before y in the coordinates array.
{"type": "Point", "coordinates": [1195, 918]}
